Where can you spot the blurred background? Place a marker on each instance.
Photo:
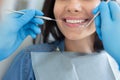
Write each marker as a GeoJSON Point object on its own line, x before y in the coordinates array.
{"type": "Point", "coordinates": [18, 5]}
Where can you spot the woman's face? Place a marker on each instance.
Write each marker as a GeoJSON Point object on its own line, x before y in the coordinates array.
{"type": "Point", "coordinates": [73, 15]}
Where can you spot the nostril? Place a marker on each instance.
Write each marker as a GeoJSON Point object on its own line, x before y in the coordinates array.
{"type": "Point", "coordinates": [73, 11]}
{"type": "Point", "coordinates": [69, 11]}
{"type": "Point", "coordinates": [76, 11]}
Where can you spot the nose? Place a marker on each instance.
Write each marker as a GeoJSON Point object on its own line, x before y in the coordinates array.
{"type": "Point", "coordinates": [74, 6]}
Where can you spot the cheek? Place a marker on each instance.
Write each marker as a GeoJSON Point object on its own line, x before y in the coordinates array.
{"type": "Point", "coordinates": [91, 7]}
{"type": "Point", "coordinates": [89, 11]}
{"type": "Point", "coordinates": [56, 10]}
{"type": "Point", "coordinates": [55, 13]}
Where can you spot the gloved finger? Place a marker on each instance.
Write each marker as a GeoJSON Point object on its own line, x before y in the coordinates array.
{"type": "Point", "coordinates": [97, 19]}
{"type": "Point", "coordinates": [11, 17]}
{"type": "Point", "coordinates": [17, 15]}
{"type": "Point", "coordinates": [32, 27]}
{"type": "Point", "coordinates": [97, 22]}
{"type": "Point", "coordinates": [95, 10]}
{"type": "Point", "coordinates": [35, 29]}
{"type": "Point", "coordinates": [29, 14]}
{"type": "Point", "coordinates": [104, 12]}
{"type": "Point", "coordinates": [115, 10]}
{"type": "Point", "coordinates": [23, 33]}
{"type": "Point", "coordinates": [37, 21]}
{"type": "Point", "coordinates": [14, 15]}
{"type": "Point", "coordinates": [25, 18]}
{"type": "Point", "coordinates": [39, 13]}
{"type": "Point", "coordinates": [32, 34]}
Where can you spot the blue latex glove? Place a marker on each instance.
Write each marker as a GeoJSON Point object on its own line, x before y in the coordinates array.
{"type": "Point", "coordinates": [108, 27]}
{"type": "Point", "coordinates": [15, 28]}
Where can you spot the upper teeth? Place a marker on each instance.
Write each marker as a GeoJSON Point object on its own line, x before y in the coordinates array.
{"type": "Point", "coordinates": [75, 21]}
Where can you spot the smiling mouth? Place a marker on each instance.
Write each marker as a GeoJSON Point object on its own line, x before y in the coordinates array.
{"type": "Point", "coordinates": [76, 22]}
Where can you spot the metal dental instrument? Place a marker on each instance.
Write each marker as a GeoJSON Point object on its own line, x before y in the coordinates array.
{"type": "Point", "coordinates": [41, 17]}
{"type": "Point", "coordinates": [95, 16]}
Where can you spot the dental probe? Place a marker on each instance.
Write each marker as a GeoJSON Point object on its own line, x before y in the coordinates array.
{"type": "Point", "coordinates": [95, 16]}
{"type": "Point", "coordinates": [41, 17]}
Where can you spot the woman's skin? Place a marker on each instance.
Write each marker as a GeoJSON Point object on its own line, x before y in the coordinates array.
{"type": "Point", "coordinates": [0, 3]}
{"type": "Point", "coordinates": [0, 7]}
{"type": "Point", "coordinates": [74, 15]}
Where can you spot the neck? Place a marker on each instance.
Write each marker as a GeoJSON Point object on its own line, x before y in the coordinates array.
{"type": "Point", "coordinates": [85, 45]}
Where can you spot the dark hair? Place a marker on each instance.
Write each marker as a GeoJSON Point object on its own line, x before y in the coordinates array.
{"type": "Point", "coordinates": [50, 27]}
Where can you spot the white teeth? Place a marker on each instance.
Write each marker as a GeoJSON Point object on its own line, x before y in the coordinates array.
{"type": "Point", "coordinates": [75, 21]}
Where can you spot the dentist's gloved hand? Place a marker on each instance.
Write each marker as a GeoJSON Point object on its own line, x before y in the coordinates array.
{"type": "Point", "coordinates": [15, 28]}
{"type": "Point", "coordinates": [108, 27]}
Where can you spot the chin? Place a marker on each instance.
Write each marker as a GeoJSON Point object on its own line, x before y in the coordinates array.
{"type": "Point", "coordinates": [74, 37]}
{"type": "Point", "coordinates": [77, 37]}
